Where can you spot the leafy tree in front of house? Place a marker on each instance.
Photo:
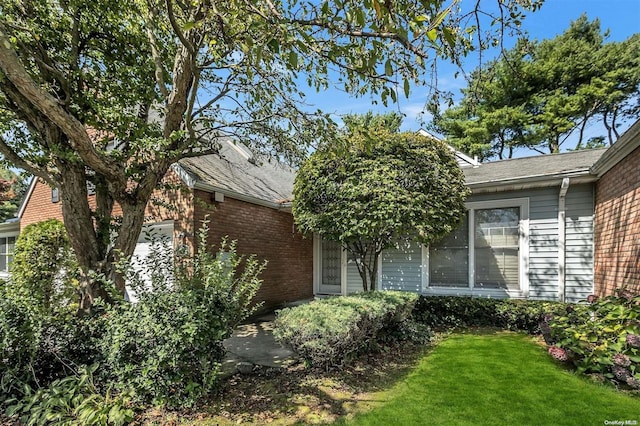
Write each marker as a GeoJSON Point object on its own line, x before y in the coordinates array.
{"type": "Point", "coordinates": [371, 187]}
{"type": "Point", "coordinates": [540, 93]}
{"type": "Point", "coordinates": [160, 80]}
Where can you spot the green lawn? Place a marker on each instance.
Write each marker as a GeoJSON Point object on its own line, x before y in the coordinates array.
{"type": "Point", "coordinates": [496, 379]}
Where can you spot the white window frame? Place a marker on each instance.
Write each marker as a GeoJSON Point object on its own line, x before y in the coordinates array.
{"type": "Point", "coordinates": [523, 241]}
{"type": "Point", "coordinates": [6, 272]}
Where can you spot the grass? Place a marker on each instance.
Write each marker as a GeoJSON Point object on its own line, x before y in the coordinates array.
{"type": "Point", "coordinates": [496, 378]}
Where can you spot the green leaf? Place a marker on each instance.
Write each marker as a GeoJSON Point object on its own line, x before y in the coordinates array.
{"type": "Point", "coordinates": [432, 34]}
{"type": "Point", "coordinates": [388, 68]}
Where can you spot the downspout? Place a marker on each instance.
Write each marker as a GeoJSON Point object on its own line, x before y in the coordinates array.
{"type": "Point", "coordinates": [562, 235]}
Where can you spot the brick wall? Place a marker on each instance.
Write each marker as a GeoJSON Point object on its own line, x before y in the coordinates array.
{"type": "Point", "coordinates": [174, 203]}
{"type": "Point", "coordinates": [617, 227]}
{"type": "Point", "coordinates": [270, 235]}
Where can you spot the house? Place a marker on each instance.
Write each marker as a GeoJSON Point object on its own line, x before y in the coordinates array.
{"type": "Point", "coordinates": [244, 198]}
{"type": "Point", "coordinates": [554, 227]}
{"type": "Point", "coordinates": [617, 215]}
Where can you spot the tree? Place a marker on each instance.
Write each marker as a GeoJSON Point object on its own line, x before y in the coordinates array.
{"type": "Point", "coordinates": [113, 92]}
{"type": "Point", "coordinates": [538, 94]}
{"type": "Point", "coordinates": [371, 187]}
{"type": "Point", "coordinates": [12, 189]}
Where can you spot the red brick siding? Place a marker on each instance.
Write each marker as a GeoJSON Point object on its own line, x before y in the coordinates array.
{"type": "Point", "coordinates": [617, 227]}
{"type": "Point", "coordinates": [270, 235]}
{"type": "Point", "coordinates": [39, 206]}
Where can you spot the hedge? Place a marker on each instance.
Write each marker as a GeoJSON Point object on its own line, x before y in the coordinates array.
{"type": "Point", "coordinates": [331, 332]}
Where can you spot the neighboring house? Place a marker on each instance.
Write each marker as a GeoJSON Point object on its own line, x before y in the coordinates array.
{"type": "Point", "coordinates": [528, 233]}
{"type": "Point", "coordinates": [243, 198]}
{"type": "Point", "coordinates": [617, 232]}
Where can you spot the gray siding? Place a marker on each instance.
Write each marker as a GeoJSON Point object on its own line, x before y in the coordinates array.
{"type": "Point", "coordinates": [543, 238]}
{"type": "Point", "coordinates": [402, 267]}
{"type": "Point", "coordinates": [579, 242]}
{"type": "Point", "coordinates": [354, 282]}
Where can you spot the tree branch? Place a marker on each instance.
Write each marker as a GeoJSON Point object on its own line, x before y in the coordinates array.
{"type": "Point", "coordinates": [48, 106]}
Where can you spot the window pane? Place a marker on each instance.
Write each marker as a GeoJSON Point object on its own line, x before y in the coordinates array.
{"type": "Point", "coordinates": [497, 248]}
{"type": "Point", "coordinates": [3, 263]}
{"type": "Point", "coordinates": [9, 261]}
{"type": "Point", "coordinates": [3, 245]}
{"type": "Point", "coordinates": [331, 266]}
{"type": "Point", "coordinates": [449, 259]}
{"type": "Point", "coordinates": [11, 244]}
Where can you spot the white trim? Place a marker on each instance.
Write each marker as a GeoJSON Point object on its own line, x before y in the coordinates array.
{"type": "Point", "coordinates": [23, 206]}
{"type": "Point", "coordinates": [344, 259]}
{"type": "Point", "coordinates": [625, 145]}
{"type": "Point", "coordinates": [464, 157]}
{"type": "Point", "coordinates": [317, 260]}
{"type": "Point", "coordinates": [562, 236]}
{"type": "Point", "coordinates": [425, 268]}
{"type": "Point", "coordinates": [523, 245]}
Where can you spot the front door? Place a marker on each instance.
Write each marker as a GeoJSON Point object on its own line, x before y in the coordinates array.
{"type": "Point", "coordinates": [330, 268]}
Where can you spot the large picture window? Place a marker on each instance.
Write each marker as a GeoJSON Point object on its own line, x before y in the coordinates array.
{"type": "Point", "coordinates": [485, 252]}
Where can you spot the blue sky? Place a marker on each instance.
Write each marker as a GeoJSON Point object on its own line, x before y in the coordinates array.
{"type": "Point", "coordinates": [621, 17]}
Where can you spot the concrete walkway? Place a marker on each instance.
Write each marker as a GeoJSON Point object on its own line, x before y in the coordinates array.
{"type": "Point", "coordinates": [253, 344]}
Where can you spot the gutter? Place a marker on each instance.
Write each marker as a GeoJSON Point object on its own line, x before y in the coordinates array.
{"type": "Point", "coordinates": [533, 181]}
{"type": "Point", "coordinates": [562, 236]}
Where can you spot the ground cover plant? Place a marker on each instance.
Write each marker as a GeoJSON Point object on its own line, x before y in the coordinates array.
{"type": "Point", "coordinates": [601, 338]}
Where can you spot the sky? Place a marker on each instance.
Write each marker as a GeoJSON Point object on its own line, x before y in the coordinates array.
{"type": "Point", "coordinates": [620, 17]}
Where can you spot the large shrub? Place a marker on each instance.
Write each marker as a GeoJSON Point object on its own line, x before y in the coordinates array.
{"type": "Point", "coordinates": [333, 331]}
{"type": "Point", "coordinates": [167, 347]}
{"type": "Point", "coordinates": [602, 337]}
{"type": "Point", "coordinates": [43, 265]}
{"type": "Point", "coordinates": [463, 311]}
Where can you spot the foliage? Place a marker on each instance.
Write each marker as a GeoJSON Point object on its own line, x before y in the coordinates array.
{"type": "Point", "coordinates": [43, 265]}
{"type": "Point", "coordinates": [492, 378]}
{"type": "Point", "coordinates": [73, 400]}
{"type": "Point", "coordinates": [373, 187]}
{"type": "Point", "coordinates": [167, 347]}
{"type": "Point", "coordinates": [541, 92]}
{"type": "Point", "coordinates": [78, 81]}
{"type": "Point", "coordinates": [602, 337]}
{"type": "Point", "coordinates": [331, 332]}
{"type": "Point", "coordinates": [13, 187]}
{"type": "Point", "coordinates": [510, 314]}
{"type": "Point", "coordinates": [20, 335]}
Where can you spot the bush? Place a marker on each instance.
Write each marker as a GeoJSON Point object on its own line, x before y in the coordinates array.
{"type": "Point", "coordinates": [602, 337]}
{"type": "Point", "coordinates": [168, 346]}
{"type": "Point", "coordinates": [456, 311]}
{"type": "Point", "coordinates": [43, 265]}
{"type": "Point", "coordinates": [331, 332]}
{"type": "Point", "coordinates": [73, 400]}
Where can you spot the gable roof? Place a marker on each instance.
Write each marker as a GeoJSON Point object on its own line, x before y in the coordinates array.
{"type": "Point", "coordinates": [628, 142]}
{"type": "Point", "coordinates": [237, 173]}
{"type": "Point", "coordinates": [532, 172]}
{"type": "Point", "coordinates": [462, 159]}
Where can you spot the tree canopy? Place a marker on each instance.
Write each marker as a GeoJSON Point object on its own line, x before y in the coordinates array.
{"type": "Point", "coordinates": [372, 187]}
{"type": "Point", "coordinates": [540, 93]}
{"type": "Point", "coordinates": [115, 91]}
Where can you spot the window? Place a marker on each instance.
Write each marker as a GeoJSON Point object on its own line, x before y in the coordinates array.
{"type": "Point", "coordinates": [485, 252]}
{"type": "Point", "coordinates": [497, 248]}
{"type": "Point", "coordinates": [7, 244]}
{"type": "Point", "coordinates": [449, 259]}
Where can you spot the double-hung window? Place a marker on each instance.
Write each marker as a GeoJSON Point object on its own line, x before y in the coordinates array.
{"type": "Point", "coordinates": [486, 253]}
{"type": "Point", "coordinates": [7, 244]}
